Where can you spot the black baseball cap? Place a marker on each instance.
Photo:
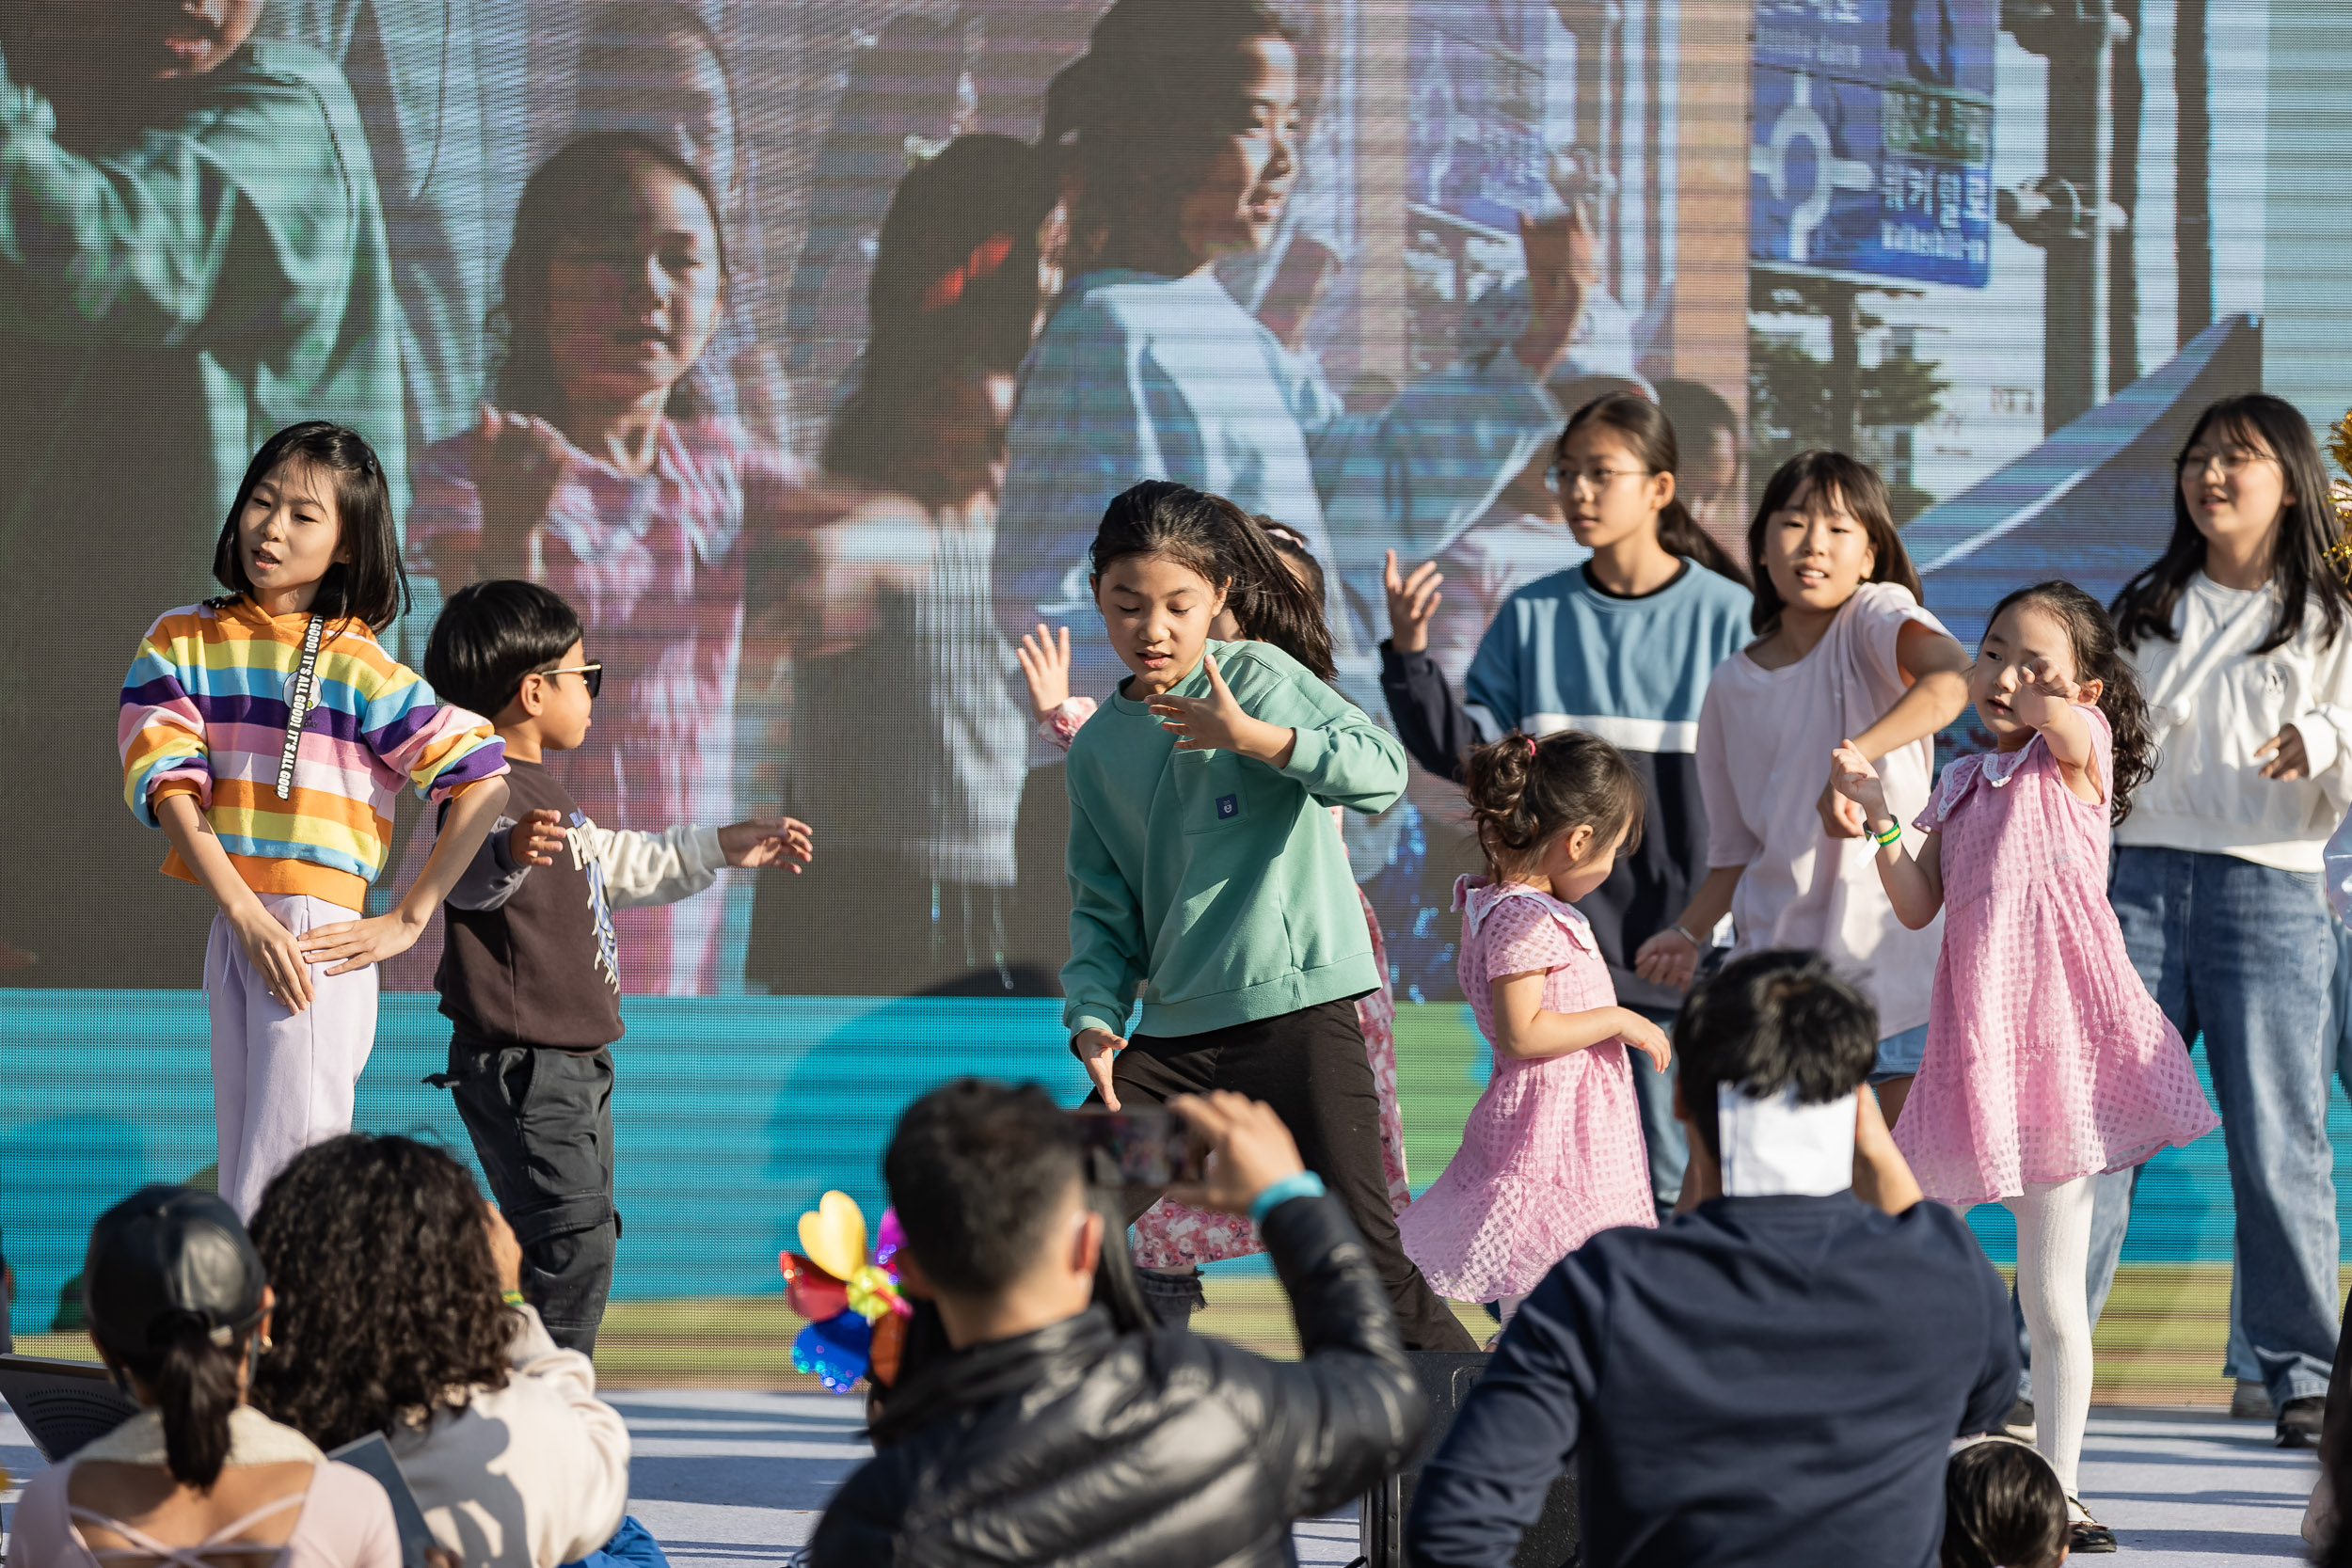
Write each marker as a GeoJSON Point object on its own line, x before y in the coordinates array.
{"type": "Point", "coordinates": [166, 1257]}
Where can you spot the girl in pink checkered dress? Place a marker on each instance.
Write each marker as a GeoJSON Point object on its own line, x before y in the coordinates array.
{"type": "Point", "coordinates": [2047, 1061]}
{"type": "Point", "coordinates": [1553, 1151]}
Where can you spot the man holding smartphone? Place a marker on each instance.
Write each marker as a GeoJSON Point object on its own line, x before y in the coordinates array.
{"type": "Point", "coordinates": [1045, 1426]}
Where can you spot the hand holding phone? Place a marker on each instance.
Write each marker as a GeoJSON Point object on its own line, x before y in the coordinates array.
{"type": "Point", "coordinates": [1249, 1150]}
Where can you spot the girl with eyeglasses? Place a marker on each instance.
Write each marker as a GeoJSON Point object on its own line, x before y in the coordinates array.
{"type": "Point", "coordinates": [1621, 647]}
{"type": "Point", "coordinates": [2237, 635]}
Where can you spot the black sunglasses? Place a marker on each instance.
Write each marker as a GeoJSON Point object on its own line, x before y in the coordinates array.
{"type": "Point", "coordinates": [592, 674]}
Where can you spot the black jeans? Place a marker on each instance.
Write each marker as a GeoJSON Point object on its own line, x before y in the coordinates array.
{"type": "Point", "coordinates": [541, 1122]}
{"type": "Point", "coordinates": [1310, 1065]}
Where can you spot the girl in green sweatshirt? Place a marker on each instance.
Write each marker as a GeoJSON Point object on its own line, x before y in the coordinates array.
{"type": "Point", "coordinates": [1201, 873]}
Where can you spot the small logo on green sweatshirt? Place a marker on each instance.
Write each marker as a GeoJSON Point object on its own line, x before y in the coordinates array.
{"type": "Point", "coordinates": [1228, 805]}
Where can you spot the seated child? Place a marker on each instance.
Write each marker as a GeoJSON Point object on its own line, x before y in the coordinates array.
{"type": "Point", "coordinates": [528, 975]}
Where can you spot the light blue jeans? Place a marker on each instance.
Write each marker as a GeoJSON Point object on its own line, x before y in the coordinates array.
{"type": "Point", "coordinates": [1662, 1135]}
{"type": "Point", "coordinates": [2247, 956]}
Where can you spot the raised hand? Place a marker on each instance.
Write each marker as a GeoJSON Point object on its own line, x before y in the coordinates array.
{"type": "Point", "coordinates": [518, 462]}
{"type": "Point", "coordinates": [1413, 603]}
{"type": "Point", "coordinates": [1219, 722]}
{"type": "Point", "coordinates": [2044, 696]}
{"type": "Point", "coordinates": [1841, 817]}
{"type": "Point", "coordinates": [2288, 759]}
{"type": "Point", "coordinates": [1098, 1049]}
{"type": "Point", "coordinates": [1858, 782]}
{"type": "Point", "coordinates": [1563, 268]}
{"type": "Point", "coordinates": [1249, 1150]}
{"type": "Point", "coordinates": [759, 841]}
{"type": "Point", "coordinates": [535, 840]}
{"type": "Point", "coordinates": [1045, 666]}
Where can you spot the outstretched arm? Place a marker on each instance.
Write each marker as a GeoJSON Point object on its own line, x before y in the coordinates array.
{"type": "Point", "coordinates": [352, 944]}
{"type": "Point", "coordinates": [1936, 668]}
{"type": "Point", "coordinates": [1913, 887]}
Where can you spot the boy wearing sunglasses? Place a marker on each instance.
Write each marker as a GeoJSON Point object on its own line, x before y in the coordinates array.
{"type": "Point", "coordinates": [530, 976]}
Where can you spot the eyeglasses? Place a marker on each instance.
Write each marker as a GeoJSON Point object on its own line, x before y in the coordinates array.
{"type": "Point", "coordinates": [2232, 459]}
{"type": "Point", "coordinates": [592, 675]}
{"type": "Point", "coordinates": [1564, 481]}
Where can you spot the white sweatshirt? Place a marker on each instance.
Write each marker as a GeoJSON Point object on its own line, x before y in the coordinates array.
{"type": "Point", "coordinates": [2213, 702]}
{"type": "Point", "coordinates": [528, 1475]}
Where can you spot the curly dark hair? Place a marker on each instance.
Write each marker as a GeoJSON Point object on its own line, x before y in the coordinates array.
{"type": "Point", "coordinates": [387, 1300]}
{"type": "Point", "coordinates": [2098, 657]}
{"type": "Point", "coordinates": [1525, 793]}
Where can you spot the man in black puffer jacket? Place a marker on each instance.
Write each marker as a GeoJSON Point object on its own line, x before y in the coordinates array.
{"type": "Point", "coordinates": [1049, 1437]}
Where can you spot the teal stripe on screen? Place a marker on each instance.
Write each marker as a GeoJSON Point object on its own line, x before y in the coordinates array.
{"type": "Point", "coordinates": [731, 1116]}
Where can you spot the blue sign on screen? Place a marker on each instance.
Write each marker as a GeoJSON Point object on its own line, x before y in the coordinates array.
{"type": "Point", "coordinates": [1873, 150]}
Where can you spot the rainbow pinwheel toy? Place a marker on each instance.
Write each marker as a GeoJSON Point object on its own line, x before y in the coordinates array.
{"type": "Point", "coordinates": [856, 1317]}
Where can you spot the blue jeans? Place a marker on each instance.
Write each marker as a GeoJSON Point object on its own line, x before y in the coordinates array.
{"type": "Point", "coordinates": [1662, 1129]}
{"type": "Point", "coordinates": [2246, 955]}
{"type": "Point", "coordinates": [1900, 1056]}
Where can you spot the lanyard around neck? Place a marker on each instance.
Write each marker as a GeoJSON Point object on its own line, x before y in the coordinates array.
{"type": "Point", "coordinates": [298, 705]}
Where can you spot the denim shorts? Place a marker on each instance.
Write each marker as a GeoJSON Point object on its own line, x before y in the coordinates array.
{"type": "Point", "coordinates": [1899, 1054]}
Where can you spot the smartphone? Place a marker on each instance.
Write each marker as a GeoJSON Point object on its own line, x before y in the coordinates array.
{"type": "Point", "coordinates": [1147, 1148]}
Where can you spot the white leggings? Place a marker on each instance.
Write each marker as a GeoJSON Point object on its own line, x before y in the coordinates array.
{"type": "Point", "coordinates": [2052, 1250]}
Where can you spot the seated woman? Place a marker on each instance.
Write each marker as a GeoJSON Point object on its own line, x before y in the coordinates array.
{"type": "Point", "coordinates": [176, 1302]}
{"type": "Point", "coordinates": [403, 1316]}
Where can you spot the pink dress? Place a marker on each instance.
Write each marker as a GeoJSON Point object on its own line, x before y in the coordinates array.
{"type": "Point", "coordinates": [2046, 1057]}
{"type": "Point", "coordinates": [1172, 1237]}
{"type": "Point", "coordinates": [1553, 1152]}
{"type": "Point", "coordinates": [655, 565]}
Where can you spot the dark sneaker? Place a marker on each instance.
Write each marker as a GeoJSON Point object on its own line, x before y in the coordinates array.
{"type": "Point", "coordinates": [2250, 1401]}
{"type": "Point", "coordinates": [2300, 1421]}
{"type": "Point", "coordinates": [2087, 1534]}
{"type": "Point", "coordinates": [2018, 1423]}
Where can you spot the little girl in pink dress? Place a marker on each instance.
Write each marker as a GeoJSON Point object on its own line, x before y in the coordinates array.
{"type": "Point", "coordinates": [2047, 1061]}
{"type": "Point", "coordinates": [1553, 1151]}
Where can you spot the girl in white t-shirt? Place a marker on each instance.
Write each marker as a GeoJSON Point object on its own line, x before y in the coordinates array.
{"type": "Point", "coordinates": [1843, 655]}
{"type": "Point", "coordinates": [2239, 634]}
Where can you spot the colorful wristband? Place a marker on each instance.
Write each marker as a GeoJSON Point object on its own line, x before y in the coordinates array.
{"type": "Point", "coordinates": [511, 1298]}
{"type": "Point", "coordinates": [1892, 836]}
{"type": "Point", "coordinates": [1306, 1183]}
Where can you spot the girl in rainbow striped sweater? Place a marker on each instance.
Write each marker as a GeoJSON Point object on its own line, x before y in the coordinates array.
{"type": "Point", "coordinates": [265, 732]}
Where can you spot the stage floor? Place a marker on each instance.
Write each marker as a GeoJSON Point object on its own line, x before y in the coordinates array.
{"type": "Point", "coordinates": [726, 1479]}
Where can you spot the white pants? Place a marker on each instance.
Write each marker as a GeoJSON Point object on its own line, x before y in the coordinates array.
{"type": "Point", "coordinates": [2052, 1250]}
{"type": "Point", "coordinates": [281, 1080]}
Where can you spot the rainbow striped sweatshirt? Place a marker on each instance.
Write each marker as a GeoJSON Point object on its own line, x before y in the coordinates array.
{"type": "Point", "coordinates": [204, 713]}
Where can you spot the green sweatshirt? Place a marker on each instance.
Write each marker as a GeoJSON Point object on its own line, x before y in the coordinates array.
{"type": "Point", "coordinates": [1214, 881]}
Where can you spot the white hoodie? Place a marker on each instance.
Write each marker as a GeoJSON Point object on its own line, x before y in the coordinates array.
{"type": "Point", "coordinates": [2212, 702]}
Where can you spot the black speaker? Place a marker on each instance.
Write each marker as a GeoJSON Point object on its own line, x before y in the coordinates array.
{"type": "Point", "coordinates": [1553, 1541]}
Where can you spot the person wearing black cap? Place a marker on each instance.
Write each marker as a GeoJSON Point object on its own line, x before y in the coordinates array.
{"type": "Point", "coordinates": [178, 1307]}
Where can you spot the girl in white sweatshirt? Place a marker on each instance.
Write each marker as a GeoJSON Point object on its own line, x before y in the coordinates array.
{"type": "Point", "coordinates": [2239, 634]}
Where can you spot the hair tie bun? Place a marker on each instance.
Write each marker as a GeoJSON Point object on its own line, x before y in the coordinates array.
{"type": "Point", "coordinates": [1531, 745]}
{"type": "Point", "coordinates": [985, 259]}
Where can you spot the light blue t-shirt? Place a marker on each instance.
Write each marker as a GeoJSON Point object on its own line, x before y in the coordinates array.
{"type": "Point", "coordinates": [1564, 656]}
{"type": "Point", "coordinates": [1142, 377]}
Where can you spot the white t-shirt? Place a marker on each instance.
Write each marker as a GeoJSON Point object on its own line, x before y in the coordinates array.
{"type": "Point", "coordinates": [1765, 739]}
{"type": "Point", "coordinates": [2212, 703]}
